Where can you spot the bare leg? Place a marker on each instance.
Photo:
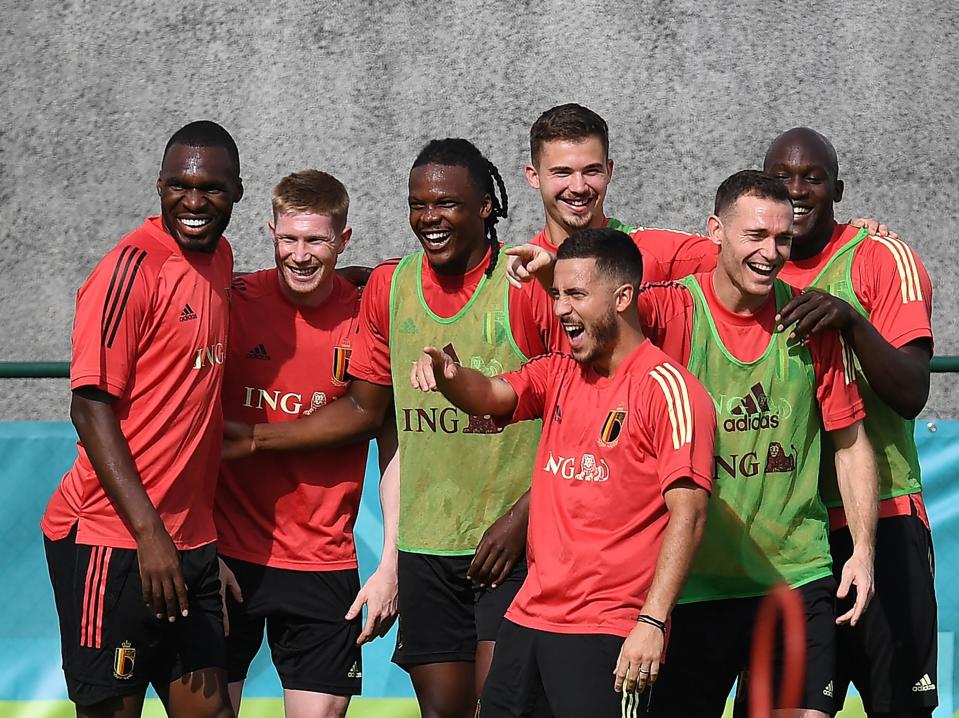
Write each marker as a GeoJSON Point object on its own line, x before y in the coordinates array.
{"type": "Point", "coordinates": [309, 704]}
{"type": "Point", "coordinates": [120, 707]}
{"type": "Point", "coordinates": [201, 694]}
{"type": "Point", "coordinates": [445, 690]}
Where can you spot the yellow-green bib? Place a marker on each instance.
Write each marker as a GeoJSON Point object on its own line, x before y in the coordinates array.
{"type": "Point", "coordinates": [458, 473]}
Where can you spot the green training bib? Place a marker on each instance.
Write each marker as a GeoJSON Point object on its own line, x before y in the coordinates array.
{"type": "Point", "coordinates": [766, 523]}
{"type": "Point", "coordinates": [891, 436]}
{"type": "Point", "coordinates": [458, 473]}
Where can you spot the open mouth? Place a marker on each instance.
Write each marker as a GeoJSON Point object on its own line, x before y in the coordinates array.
{"type": "Point", "coordinates": [435, 239]}
{"type": "Point", "coordinates": [302, 273]}
{"type": "Point", "coordinates": [763, 269]}
{"type": "Point", "coordinates": [578, 205]}
{"type": "Point", "coordinates": [194, 223]}
{"type": "Point", "coordinates": [799, 212]}
{"type": "Point", "coordinates": [574, 332]}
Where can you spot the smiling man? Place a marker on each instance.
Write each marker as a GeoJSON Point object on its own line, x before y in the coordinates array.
{"type": "Point", "coordinates": [877, 293]}
{"type": "Point", "coordinates": [766, 521]}
{"type": "Point", "coordinates": [132, 521]}
{"type": "Point", "coordinates": [461, 544]}
{"type": "Point", "coordinates": [285, 521]}
{"type": "Point", "coordinates": [620, 488]}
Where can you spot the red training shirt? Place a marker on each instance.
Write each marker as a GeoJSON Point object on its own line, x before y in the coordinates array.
{"type": "Point", "coordinates": [151, 330]}
{"type": "Point", "coordinates": [445, 296]}
{"type": "Point", "coordinates": [892, 284]}
{"type": "Point", "coordinates": [611, 446]}
{"type": "Point", "coordinates": [666, 316]}
{"type": "Point", "coordinates": [292, 510]}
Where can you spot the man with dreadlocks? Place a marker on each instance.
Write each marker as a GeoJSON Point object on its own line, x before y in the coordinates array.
{"type": "Point", "coordinates": [461, 535]}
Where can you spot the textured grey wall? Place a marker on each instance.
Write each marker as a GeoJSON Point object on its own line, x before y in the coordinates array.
{"type": "Point", "coordinates": [692, 92]}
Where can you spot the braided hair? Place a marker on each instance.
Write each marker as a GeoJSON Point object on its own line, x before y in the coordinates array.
{"type": "Point", "coordinates": [456, 152]}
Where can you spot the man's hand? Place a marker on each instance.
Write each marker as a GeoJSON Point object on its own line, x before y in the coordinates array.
{"type": "Point", "coordinates": [378, 594]}
{"type": "Point", "coordinates": [237, 440]}
{"type": "Point", "coordinates": [814, 311]}
{"type": "Point", "coordinates": [501, 546]}
{"type": "Point", "coordinates": [858, 572]}
{"type": "Point", "coordinates": [639, 659]}
{"type": "Point", "coordinates": [874, 227]}
{"type": "Point", "coordinates": [433, 362]}
{"type": "Point", "coordinates": [161, 574]}
{"type": "Point", "coordinates": [228, 583]}
{"type": "Point", "coordinates": [527, 262]}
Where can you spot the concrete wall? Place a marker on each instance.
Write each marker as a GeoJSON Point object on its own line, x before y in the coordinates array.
{"type": "Point", "coordinates": [692, 91]}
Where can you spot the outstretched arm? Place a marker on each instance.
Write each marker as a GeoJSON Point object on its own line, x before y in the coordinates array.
{"type": "Point", "coordinates": [859, 488]}
{"type": "Point", "coordinates": [642, 651]}
{"type": "Point", "coordinates": [470, 390]}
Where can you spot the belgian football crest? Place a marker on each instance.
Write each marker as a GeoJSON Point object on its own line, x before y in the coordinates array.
{"type": "Point", "coordinates": [341, 363]}
{"type": "Point", "coordinates": [123, 660]}
{"type": "Point", "coordinates": [612, 427]}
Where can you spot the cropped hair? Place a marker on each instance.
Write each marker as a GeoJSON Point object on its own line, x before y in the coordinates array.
{"type": "Point", "coordinates": [567, 122]}
{"type": "Point", "coordinates": [752, 183]}
{"type": "Point", "coordinates": [616, 255]}
{"type": "Point", "coordinates": [312, 192]}
{"type": "Point", "coordinates": [205, 133]}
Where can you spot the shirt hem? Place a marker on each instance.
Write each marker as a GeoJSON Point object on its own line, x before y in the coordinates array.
{"type": "Point", "coordinates": [823, 573]}
{"type": "Point", "coordinates": [619, 630]}
{"type": "Point", "coordinates": [435, 551]}
{"type": "Point", "coordinates": [288, 565]}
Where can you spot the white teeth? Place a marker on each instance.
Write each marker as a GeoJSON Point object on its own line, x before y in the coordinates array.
{"type": "Point", "coordinates": [577, 202]}
{"type": "Point", "coordinates": [799, 211]}
{"type": "Point", "coordinates": [436, 236]}
{"type": "Point", "coordinates": [189, 222]}
{"type": "Point", "coordinates": [303, 272]}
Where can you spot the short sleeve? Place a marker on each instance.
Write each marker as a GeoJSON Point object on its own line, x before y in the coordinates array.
{"type": "Point", "coordinates": [531, 382]}
{"type": "Point", "coordinates": [893, 285]}
{"type": "Point", "coordinates": [837, 391]}
{"type": "Point", "coordinates": [370, 352]}
{"type": "Point", "coordinates": [681, 421]}
{"type": "Point", "coordinates": [665, 316]}
{"type": "Point", "coordinates": [113, 309]}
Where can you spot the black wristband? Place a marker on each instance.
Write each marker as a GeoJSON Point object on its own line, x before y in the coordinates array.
{"type": "Point", "coordinates": [661, 625]}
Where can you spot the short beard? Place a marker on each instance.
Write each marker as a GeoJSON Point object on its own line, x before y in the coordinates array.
{"type": "Point", "coordinates": [604, 333]}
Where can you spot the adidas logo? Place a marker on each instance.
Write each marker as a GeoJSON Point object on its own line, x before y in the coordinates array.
{"type": "Point", "coordinates": [924, 684]}
{"type": "Point", "coordinates": [187, 314]}
{"type": "Point", "coordinates": [752, 412]}
{"type": "Point", "coordinates": [408, 327]}
{"type": "Point", "coordinates": [258, 352]}
{"type": "Point", "coordinates": [355, 671]}
{"type": "Point", "coordinates": [828, 690]}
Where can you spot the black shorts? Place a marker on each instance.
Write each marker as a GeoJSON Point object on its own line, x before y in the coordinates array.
{"type": "Point", "coordinates": [313, 646]}
{"type": "Point", "coordinates": [112, 644]}
{"type": "Point", "coordinates": [442, 614]}
{"type": "Point", "coordinates": [710, 645]}
{"type": "Point", "coordinates": [564, 675]}
{"type": "Point", "coordinates": [890, 655]}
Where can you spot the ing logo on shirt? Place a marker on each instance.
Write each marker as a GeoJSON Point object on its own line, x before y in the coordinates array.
{"type": "Point", "coordinates": [587, 469]}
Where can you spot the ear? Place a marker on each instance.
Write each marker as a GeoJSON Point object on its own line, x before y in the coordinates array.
{"type": "Point", "coordinates": [345, 237]}
{"type": "Point", "coordinates": [239, 190]}
{"type": "Point", "coordinates": [837, 191]}
{"type": "Point", "coordinates": [625, 297]}
{"type": "Point", "coordinates": [532, 176]}
{"type": "Point", "coordinates": [272, 232]}
{"type": "Point", "coordinates": [714, 226]}
{"type": "Point", "coordinates": [609, 169]}
{"type": "Point", "coordinates": [486, 209]}
{"type": "Point", "coordinates": [159, 186]}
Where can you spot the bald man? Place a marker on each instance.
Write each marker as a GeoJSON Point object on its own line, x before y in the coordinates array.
{"type": "Point", "coordinates": [877, 294]}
